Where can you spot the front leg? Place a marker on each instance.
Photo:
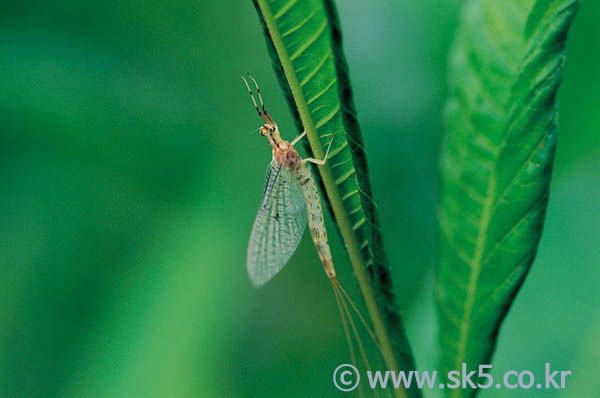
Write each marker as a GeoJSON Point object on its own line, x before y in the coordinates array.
{"type": "Point", "coordinates": [298, 138]}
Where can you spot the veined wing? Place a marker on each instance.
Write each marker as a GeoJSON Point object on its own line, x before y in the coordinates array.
{"type": "Point", "coordinates": [278, 227]}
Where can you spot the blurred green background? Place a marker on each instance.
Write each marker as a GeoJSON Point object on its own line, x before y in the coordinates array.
{"type": "Point", "coordinates": [130, 180]}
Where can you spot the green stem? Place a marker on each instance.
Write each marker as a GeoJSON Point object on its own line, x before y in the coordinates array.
{"type": "Point", "coordinates": [352, 244]}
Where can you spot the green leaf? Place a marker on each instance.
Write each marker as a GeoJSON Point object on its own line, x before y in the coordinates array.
{"type": "Point", "coordinates": [505, 68]}
{"type": "Point", "coordinates": [304, 40]}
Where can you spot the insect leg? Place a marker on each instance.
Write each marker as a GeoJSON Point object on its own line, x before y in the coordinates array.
{"type": "Point", "coordinates": [298, 138]}
{"type": "Point", "coordinates": [317, 161]}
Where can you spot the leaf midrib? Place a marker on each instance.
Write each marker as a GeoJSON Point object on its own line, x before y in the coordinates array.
{"type": "Point", "coordinates": [475, 266]}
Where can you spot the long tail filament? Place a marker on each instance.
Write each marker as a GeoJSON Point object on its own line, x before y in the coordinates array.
{"type": "Point", "coordinates": [341, 296]}
{"type": "Point", "coordinates": [357, 312]}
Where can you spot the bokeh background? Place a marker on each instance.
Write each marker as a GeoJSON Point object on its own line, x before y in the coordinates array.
{"type": "Point", "coordinates": [129, 180]}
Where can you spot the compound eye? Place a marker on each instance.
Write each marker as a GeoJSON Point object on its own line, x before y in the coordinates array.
{"type": "Point", "coordinates": [272, 128]}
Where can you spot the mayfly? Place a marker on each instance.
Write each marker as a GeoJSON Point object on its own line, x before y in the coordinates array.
{"type": "Point", "coordinates": [290, 200]}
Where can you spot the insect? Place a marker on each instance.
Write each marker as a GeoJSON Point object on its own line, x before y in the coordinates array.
{"type": "Point", "coordinates": [290, 200]}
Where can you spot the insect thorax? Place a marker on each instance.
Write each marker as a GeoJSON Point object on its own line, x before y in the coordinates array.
{"type": "Point", "coordinates": [285, 154]}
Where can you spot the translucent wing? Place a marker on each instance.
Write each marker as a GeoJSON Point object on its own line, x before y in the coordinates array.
{"type": "Point", "coordinates": [278, 227]}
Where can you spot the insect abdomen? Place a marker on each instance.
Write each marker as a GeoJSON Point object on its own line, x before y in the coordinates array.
{"type": "Point", "coordinates": [314, 212]}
